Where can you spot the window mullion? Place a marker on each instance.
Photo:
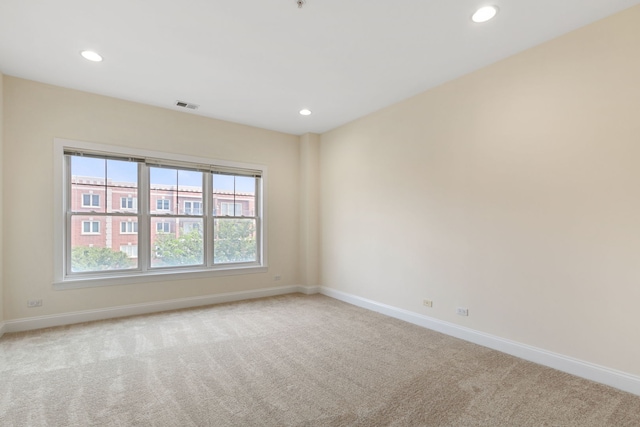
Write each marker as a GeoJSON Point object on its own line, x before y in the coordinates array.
{"type": "Point", "coordinates": [207, 220]}
{"type": "Point", "coordinates": [67, 214]}
{"type": "Point", "coordinates": [144, 219]}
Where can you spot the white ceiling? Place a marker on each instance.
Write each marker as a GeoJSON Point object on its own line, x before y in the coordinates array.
{"type": "Point", "coordinates": [259, 62]}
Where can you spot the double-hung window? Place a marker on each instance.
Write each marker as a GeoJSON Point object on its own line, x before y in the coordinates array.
{"type": "Point", "coordinates": [158, 216]}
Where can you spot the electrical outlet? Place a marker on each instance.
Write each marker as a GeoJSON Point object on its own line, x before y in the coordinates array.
{"type": "Point", "coordinates": [460, 311]}
{"type": "Point", "coordinates": [277, 277]}
{"type": "Point", "coordinates": [427, 303]}
{"type": "Point", "coordinates": [34, 303]}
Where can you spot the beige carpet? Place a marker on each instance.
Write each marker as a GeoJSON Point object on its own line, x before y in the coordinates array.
{"type": "Point", "coordinates": [293, 360]}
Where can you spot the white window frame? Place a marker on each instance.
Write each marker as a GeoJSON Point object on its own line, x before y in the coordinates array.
{"type": "Point", "coordinates": [63, 280]}
{"type": "Point", "coordinates": [91, 196]}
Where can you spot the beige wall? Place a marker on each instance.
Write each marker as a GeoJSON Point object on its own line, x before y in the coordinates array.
{"type": "Point", "coordinates": [1, 197]}
{"type": "Point", "coordinates": [513, 191]}
{"type": "Point", "coordinates": [36, 113]}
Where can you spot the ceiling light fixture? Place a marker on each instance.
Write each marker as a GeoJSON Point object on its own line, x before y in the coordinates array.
{"type": "Point", "coordinates": [484, 14]}
{"type": "Point", "coordinates": [305, 112]}
{"type": "Point", "coordinates": [91, 56]}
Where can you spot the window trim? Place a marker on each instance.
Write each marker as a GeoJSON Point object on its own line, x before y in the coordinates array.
{"type": "Point", "coordinates": [62, 238]}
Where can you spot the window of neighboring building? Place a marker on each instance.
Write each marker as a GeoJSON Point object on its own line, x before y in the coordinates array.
{"type": "Point", "coordinates": [163, 205]}
{"type": "Point", "coordinates": [128, 227]}
{"type": "Point", "coordinates": [192, 208]}
{"type": "Point", "coordinates": [188, 227]}
{"type": "Point", "coordinates": [163, 227]}
{"type": "Point", "coordinates": [90, 227]}
{"type": "Point", "coordinates": [128, 202]}
{"type": "Point", "coordinates": [90, 200]}
{"type": "Point", "coordinates": [130, 250]}
{"type": "Point", "coordinates": [230, 209]}
{"type": "Point", "coordinates": [206, 237]}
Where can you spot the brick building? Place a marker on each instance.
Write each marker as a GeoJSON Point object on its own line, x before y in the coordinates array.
{"type": "Point", "coordinates": [99, 197]}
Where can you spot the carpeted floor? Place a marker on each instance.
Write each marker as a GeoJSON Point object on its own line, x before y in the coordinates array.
{"type": "Point", "coordinates": [292, 360]}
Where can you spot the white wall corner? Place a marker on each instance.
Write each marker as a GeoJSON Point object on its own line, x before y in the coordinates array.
{"type": "Point", "coordinates": [40, 322]}
{"type": "Point", "coordinates": [601, 374]}
{"type": "Point", "coordinates": [309, 179]}
{"type": "Point", "coordinates": [309, 290]}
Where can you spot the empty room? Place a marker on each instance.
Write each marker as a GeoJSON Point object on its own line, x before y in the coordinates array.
{"type": "Point", "coordinates": [320, 213]}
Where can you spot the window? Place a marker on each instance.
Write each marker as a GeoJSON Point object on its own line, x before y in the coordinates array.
{"type": "Point", "coordinates": [90, 200]}
{"type": "Point", "coordinates": [235, 239]}
{"type": "Point", "coordinates": [163, 205]}
{"type": "Point", "coordinates": [219, 230]}
{"type": "Point", "coordinates": [128, 227]}
{"type": "Point", "coordinates": [90, 227]}
{"type": "Point", "coordinates": [188, 227]}
{"type": "Point", "coordinates": [230, 209]}
{"type": "Point", "coordinates": [192, 208]}
{"type": "Point", "coordinates": [163, 227]}
{"type": "Point", "coordinates": [130, 250]}
{"type": "Point", "coordinates": [128, 203]}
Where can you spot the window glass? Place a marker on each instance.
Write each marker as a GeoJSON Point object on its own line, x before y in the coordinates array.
{"type": "Point", "coordinates": [234, 195]}
{"type": "Point", "coordinates": [234, 240]}
{"type": "Point", "coordinates": [177, 243]}
{"type": "Point", "coordinates": [95, 248]}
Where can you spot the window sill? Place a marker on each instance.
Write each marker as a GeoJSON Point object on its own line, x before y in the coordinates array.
{"type": "Point", "coordinates": [155, 276]}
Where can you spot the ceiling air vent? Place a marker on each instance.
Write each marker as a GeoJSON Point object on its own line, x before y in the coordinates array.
{"type": "Point", "coordinates": [186, 105]}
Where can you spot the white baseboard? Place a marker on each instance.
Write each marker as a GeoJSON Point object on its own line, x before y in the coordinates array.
{"type": "Point", "coordinates": [2, 329]}
{"type": "Point", "coordinates": [40, 322]}
{"type": "Point", "coordinates": [618, 379]}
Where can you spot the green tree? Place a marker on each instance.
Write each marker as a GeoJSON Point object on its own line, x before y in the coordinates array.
{"type": "Point", "coordinates": [183, 250]}
{"type": "Point", "coordinates": [234, 241]}
{"type": "Point", "coordinates": [86, 258]}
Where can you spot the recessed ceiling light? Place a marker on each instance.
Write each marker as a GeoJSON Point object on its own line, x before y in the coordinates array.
{"type": "Point", "coordinates": [305, 112]}
{"type": "Point", "coordinates": [484, 14]}
{"type": "Point", "coordinates": [91, 56]}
